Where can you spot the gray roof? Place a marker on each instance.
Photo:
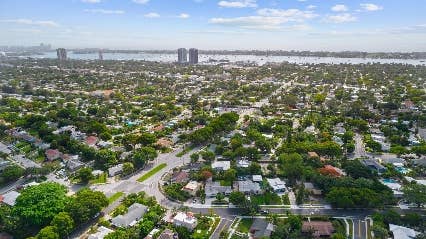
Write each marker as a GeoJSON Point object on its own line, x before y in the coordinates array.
{"type": "Point", "coordinates": [4, 149]}
{"type": "Point", "coordinates": [134, 214]}
{"type": "Point", "coordinates": [248, 186]}
{"type": "Point", "coordinates": [10, 198]}
{"type": "Point", "coordinates": [261, 228]}
{"type": "Point", "coordinates": [213, 188]}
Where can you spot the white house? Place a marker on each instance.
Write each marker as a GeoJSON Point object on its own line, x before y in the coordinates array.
{"type": "Point", "coordinates": [276, 184]}
{"type": "Point", "coordinates": [221, 165]}
{"type": "Point", "coordinates": [185, 220]}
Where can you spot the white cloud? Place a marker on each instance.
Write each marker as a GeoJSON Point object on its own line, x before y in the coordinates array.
{"type": "Point", "coordinates": [238, 4]}
{"type": "Point", "coordinates": [311, 7]}
{"type": "Point", "coordinates": [370, 7]}
{"type": "Point", "coordinates": [152, 15]}
{"type": "Point", "coordinates": [339, 8]}
{"type": "Point", "coordinates": [267, 19]}
{"type": "Point", "coordinates": [183, 15]}
{"type": "Point", "coordinates": [140, 1]}
{"type": "Point", "coordinates": [104, 11]}
{"type": "Point", "coordinates": [31, 22]}
{"type": "Point", "coordinates": [341, 18]}
{"type": "Point", "coordinates": [91, 1]}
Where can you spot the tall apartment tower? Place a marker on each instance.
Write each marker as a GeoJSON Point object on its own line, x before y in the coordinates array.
{"type": "Point", "coordinates": [193, 56]}
{"type": "Point", "coordinates": [61, 53]}
{"type": "Point", "coordinates": [101, 56]}
{"type": "Point", "coordinates": [182, 55]}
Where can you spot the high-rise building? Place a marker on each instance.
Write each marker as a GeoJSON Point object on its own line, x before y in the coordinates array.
{"type": "Point", "coordinates": [101, 56]}
{"type": "Point", "coordinates": [193, 56]}
{"type": "Point", "coordinates": [182, 55]}
{"type": "Point", "coordinates": [61, 53]}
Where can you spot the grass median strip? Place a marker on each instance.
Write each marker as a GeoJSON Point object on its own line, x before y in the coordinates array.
{"type": "Point", "coordinates": [152, 172]}
{"type": "Point", "coordinates": [114, 197]}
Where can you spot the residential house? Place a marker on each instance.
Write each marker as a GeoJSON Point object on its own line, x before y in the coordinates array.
{"type": "Point", "coordinates": [332, 171]}
{"type": "Point", "coordinates": [9, 198]}
{"type": "Point", "coordinates": [243, 163]}
{"type": "Point", "coordinates": [168, 234]}
{"type": "Point", "coordinates": [187, 220]}
{"type": "Point", "coordinates": [115, 170]}
{"type": "Point", "coordinates": [100, 233]}
{"type": "Point", "coordinates": [318, 228]}
{"type": "Point", "coordinates": [52, 154]}
{"type": "Point", "coordinates": [247, 187]}
{"type": "Point", "coordinates": [152, 233]}
{"type": "Point", "coordinates": [91, 141]}
{"type": "Point", "coordinates": [4, 149]}
{"type": "Point", "coordinates": [257, 178]}
{"type": "Point", "coordinates": [180, 177]}
{"type": "Point", "coordinates": [192, 187]}
{"type": "Point", "coordinates": [261, 228]}
{"type": "Point", "coordinates": [164, 143]}
{"type": "Point", "coordinates": [211, 189]}
{"type": "Point", "coordinates": [221, 165]}
{"type": "Point", "coordinates": [400, 232]}
{"type": "Point", "coordinates": [276, 184]}
{"type": "Point", "coordinates": [374, 165]}
{"type": "Point", "coordinates": [134, 213]}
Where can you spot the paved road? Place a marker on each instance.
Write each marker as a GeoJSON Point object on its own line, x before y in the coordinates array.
{"type": "Point", "coordinates": [225, 224]}
{"type": "Point", "coordinates": [360, 228]}
{"type": "Point", "coordinates": [359, 147]}
{"type": "Point", "coordinates": [150, 186]}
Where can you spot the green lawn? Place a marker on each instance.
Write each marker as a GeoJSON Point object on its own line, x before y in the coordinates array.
{"type": "Point", "coordinates": [114, 197]}
{"type": "Point", "coordinates": [267, 198]}
{"type": "Point", "coordinates": [100, 179]}
{"type": "Point", "coordinates": [244, 225]}
{"type": "Point", "coordinates": [152, 172]}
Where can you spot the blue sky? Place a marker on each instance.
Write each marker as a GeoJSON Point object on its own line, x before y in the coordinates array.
{"type": "Point", "coordinates": [370, 25]}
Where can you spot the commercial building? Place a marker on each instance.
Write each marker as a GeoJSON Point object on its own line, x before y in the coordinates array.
{"type": "Point", "coordinates": [182, 55]}
{"type": "Point", "coordinates": [61, 53]}
{"type": "Point", "coordinates": [193, 56]}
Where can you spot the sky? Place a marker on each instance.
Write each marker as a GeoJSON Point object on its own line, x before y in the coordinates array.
{"type": "Point", "coordinates": [321, 25]}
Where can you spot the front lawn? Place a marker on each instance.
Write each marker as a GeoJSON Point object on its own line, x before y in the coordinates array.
{"type": "Point", "coordinates": [267, 198]}
{"type": "Point", "coordinates": [244, 225]}
{"type": "Point", "coordinates": [152, 172]}
{"type": "Point", "coordinates": [99, 179]}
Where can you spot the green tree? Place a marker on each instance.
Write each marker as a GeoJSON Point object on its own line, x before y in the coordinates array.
{"type": "Point", "coordinates": [84, 175]}
{"type": "Point", "coordinates": [12, 173]}
{"type": "Point", "coordinates": [194, 157]}
{"type": "Point", "coordinates": [48, 232]}
{"type": "Point", "coordinates": [415, 193]}
{"type": "Point", "coordinates": [145, 228]}
{"type": "Point", "coordinates": [37, 205]}
{"type": "Point", "coordinates": [128, 168]}
{"type": "Point", "coordinates": [142, 155]}
{"type": "Point", "coordinates": [63, 224]}
{"type": "Point", "coordinates": [220, 197]}
{"type": "Point", "coordinates": [230, 175]}
{"type": "Point", "coordinates": [85, 205]}
{"type": "Point", "coordinates": [237, 198]}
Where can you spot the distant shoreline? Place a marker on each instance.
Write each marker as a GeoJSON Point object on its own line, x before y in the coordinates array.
{"type": "Point", "coordinates": [343, 54]}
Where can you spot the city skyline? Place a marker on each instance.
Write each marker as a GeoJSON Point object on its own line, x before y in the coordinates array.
{"type": "Point", "coordinates": [371, 25]}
